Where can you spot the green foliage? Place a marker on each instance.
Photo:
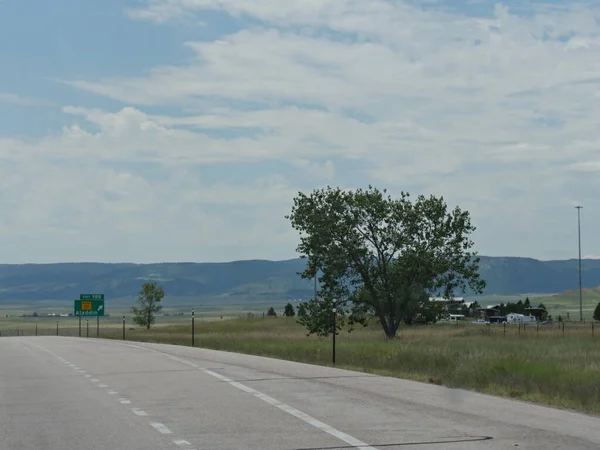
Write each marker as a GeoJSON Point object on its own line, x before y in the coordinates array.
{"type": "Point", "coordinates": [597, 312]}
{"type": "Point", "coordinates": [381, 257]}
{"type": "Point", "coordinates": [271, 312]}
{"type": "Point", "coordinates": [149, 303]}
{"type": "Point", "coordinates": [527, 303]}
{"type": "Point", "coordinates": [302, 310]}
{"type": "Point", "coordinates": [289, 310]}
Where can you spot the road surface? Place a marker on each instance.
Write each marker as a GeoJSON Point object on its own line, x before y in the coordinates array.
{"type": "Point", "coordinates": [59, 393]}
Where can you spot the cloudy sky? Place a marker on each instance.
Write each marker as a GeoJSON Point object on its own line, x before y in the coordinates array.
{"type": "Point", "coordinates": [180, 130]}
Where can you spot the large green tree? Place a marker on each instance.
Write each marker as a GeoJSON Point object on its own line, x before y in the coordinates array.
{"type": "Point", "coordinates": [149, 304]}
{"type": "Point", "coordinates": [379, 256]}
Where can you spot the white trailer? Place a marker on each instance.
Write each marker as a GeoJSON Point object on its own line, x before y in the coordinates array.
{"type": "Point", "coordinates": [520, 318]}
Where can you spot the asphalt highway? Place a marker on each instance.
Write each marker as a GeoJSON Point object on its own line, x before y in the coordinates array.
{"type": "Point", "coordinates": [59, 393]}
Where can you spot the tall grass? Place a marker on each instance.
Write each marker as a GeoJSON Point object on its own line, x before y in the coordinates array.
{"type": "Point", "coordinates": [540, 364]}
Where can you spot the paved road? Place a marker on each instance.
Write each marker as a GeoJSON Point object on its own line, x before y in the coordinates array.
{"type": "Point", "coordinates": [59, 393]}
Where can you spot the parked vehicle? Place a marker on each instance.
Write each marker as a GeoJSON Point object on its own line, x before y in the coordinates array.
{"type": "Point", "coordinates": [520, 318]}
{"type": "Point", "coordinates": [480, 322]}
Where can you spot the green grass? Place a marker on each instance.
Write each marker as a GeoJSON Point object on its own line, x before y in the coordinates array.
{"type": "Point", "coordinates": [535, 364]}
{"type": "Point", "coordinates": [568, 302]}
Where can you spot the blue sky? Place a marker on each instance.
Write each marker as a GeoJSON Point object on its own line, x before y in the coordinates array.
{"type": "Point", "coordinates": [180, 130]}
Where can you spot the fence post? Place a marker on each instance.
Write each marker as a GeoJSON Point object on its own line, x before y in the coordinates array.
{"type": "Point", "coordinates": [36, 329]}
{"type": "Point", "coordinates": [519, 328]}
{"type": "Point", "coordinates": [592, 329]}
{"type": "Point", "coordinates": [123, 327]}
{"type": "Point", "coordinates": [563, 328]}
{"type": "Point", "coordinates": [537, 327]}
{"type": "Point", "coordinates": [504, 323]}
{"type": "Point", "coordinates": [57, 327]}
{"type": "Point", "coordinates": [193, 331]}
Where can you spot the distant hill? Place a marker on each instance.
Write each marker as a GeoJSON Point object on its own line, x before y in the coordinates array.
{"type": "Point", "coordinates": [254, 280]}
{"type": "Point", "coordinates": [568, 301]}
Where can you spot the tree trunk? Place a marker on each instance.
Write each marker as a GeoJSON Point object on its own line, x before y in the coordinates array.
{"type": "Point", "coordinates": [390, 328]}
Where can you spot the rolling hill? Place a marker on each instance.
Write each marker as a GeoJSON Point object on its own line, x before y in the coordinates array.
{"type": "Point", "coordinates": [254, 280]}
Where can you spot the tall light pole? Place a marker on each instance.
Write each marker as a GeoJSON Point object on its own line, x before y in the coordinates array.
{"type": "Point", "coordinates": [580, 290]}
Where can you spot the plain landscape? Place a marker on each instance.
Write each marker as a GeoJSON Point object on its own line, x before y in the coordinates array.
{"type": "Point", "coordinates": [550, 364]}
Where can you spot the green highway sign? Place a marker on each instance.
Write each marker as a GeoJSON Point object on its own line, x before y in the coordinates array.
{"type": "Point", "coordinates": [89, 308]}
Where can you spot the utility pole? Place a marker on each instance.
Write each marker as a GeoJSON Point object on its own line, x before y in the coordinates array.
{"type": "Point", "coordinates": [580, 290]}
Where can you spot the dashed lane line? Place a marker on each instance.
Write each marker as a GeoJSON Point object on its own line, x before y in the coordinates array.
{"type": "Point", "coordinates": [160, 428]}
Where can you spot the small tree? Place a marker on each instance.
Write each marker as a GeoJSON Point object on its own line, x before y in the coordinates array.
{"type": "Point", "coordinates": [527, 303]}
{"type": "Point", "coordinates": [289, 310]}
{"type": "Point", "coordinates": [302, 310]}
{"type": "Point", "coordinates": [271, 312]}
{"type": "Point", "coordinates": [149, 303]}
{"type": "Point", "coordinates": [597, 312]}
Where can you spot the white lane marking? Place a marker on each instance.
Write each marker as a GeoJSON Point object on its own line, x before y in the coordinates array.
{"type": "Point", "coordinates": [75, 367]}
{"type": "Point", "coordinates": [160, 428]}
{"type": "Point", "coordinates": [124, 402]}
{"type": "Point", "coordinates": [81, 371]}
{"type": "Point", "coordinates": [181, 442]}
{"type": "Point", "coordinates": [112, 392]}
{"type": "Point", "coordinates": [87, 376]}
{"type": "Point", "coordinates": [139, 412]}
{"type": "Point", "coordinates": [356, 443]}
{"type": "Point", "coordinates": [103, 385]}
{"type": "Point", "coordinates": [94, 380]}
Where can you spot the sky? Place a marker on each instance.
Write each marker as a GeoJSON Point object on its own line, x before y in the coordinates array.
{"type": "Point", "coordinates": [181, 130]}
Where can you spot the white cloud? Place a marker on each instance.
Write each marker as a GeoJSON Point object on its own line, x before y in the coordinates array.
{"type": "Point", "coordinates": [498, 114]}
{"type": "Point", "coordinates": [8, 97]}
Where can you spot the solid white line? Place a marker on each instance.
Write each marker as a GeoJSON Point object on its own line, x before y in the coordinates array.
{"type": "Point", "coordinates": [160, 428]}
{"type": "Point", "coordinates": [358, 444]}
{"type": "Point", "coordinates": [139, 412]}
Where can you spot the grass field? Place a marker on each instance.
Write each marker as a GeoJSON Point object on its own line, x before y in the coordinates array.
{"type": "Point", "coordinates": [541, 364]}
{"type": "Point", "coordinates": [568, 302]}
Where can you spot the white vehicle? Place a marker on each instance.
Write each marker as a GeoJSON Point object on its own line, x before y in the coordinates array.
{"type": "Point", "coordinates": [456, 317]}
{"type": "Point", "coordinates": [520, 318]}
{"type": "Point", "coordinates": [480, 322]}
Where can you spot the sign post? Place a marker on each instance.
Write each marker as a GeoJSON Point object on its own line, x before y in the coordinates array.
{"type": "Point", "coordinates": [89, 305]}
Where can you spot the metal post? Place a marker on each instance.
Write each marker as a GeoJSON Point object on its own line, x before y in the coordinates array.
{"type": "Point", "coordinates": [36, 329]}
{"type": "Point", "coordinates": [57, 327]}
{"type": "Point", "coordinates": [334, 332]}
{"type": "Point", "coordinates": [504, 323]}
{"type": "Point", "coordinates": [97, 326]}
{"type": "Point", "coordinates": [79, 326]}
{"type": "Point", "coordinates": [193, 331]}
{"type": "Point", "coordinates": [592, 329]}
{"type": "Point", "coordinates": [579, 235]}
{"type": "Point", "coordinates": [123, 327]}
{"type": "Point", "coordinates": [87, 324]}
